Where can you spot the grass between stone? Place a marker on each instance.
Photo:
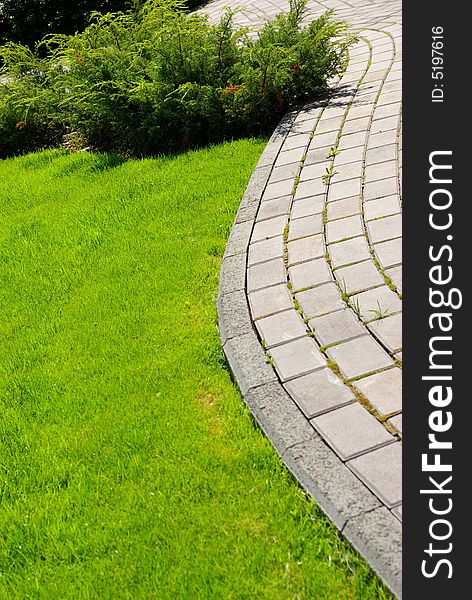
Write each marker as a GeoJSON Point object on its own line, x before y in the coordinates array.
{"type": "Point", "coordinates": [129, 465]}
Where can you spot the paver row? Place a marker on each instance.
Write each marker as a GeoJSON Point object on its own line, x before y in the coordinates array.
{"type": "Point", "coordinates": [323, 259]}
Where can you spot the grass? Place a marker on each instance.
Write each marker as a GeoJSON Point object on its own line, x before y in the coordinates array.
{"type": "Point", "coordinates": [129, 466]}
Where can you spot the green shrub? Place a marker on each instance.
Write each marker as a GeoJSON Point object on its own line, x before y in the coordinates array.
{"type": "Point", "coordinates": [157, 80]}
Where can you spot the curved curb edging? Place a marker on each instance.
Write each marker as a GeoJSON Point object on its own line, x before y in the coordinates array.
{"type": "Point", "coordinates": [354, 510]}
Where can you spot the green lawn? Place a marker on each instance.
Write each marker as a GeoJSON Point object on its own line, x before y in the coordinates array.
{"type": "Point", "coordinates": [130, 467]}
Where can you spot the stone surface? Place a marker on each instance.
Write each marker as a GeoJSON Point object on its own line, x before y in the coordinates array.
{"type": "Point", "coordinates": [308, 274]}
{"type": "Point", "coordinates": [380, 299]}
{"type": "Point", "coordinates": [266, 250]}
{"type": "Point", "coordinates": [383, 390]}
{"type": "Point", "coordinates": [305, 249]}
{"type": "Point", "coordinates": [342, 229]}
{"type": "Point", "coordinates": [360, 276]}
{"type": "Point", "coordinates": [319, 392]}
{"type": "Point", "coordinates": [297, 358]}
{"type": "Point", "coordinates": [378, 536]}
{"type": "Point", "coordinates": [359, 357]}
{"type": "Point", "coordinates": [351, 431]}
{"type": "Point", "coordinates": [341, 235]}
{"type": "Point", "coordinates": [248, 362]}
{"type": "Point", "coordinates": [305, 226]}
{"type": "Point", "coordinates": [349, 251]}
{"type": "Point", "coordinates": [336, 327]}
{"type": "Point", "coordinates": [340, 494]}
{"type": "Point", "coordinates": [270, 300]}
{"type": "Point", "coordinates": [281, 327]}
{"type": "Point", "coordinates": [389, 332]}
{"type": "Point", "coordinates": [320, 300]}
{"type": "Point", "coordinates": [267, 274]}
{"type": "Point", "coordinates": [381, 472]}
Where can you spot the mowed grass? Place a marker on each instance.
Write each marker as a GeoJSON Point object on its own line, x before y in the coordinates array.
{"type": "Point", "coordinates": [130, 467]}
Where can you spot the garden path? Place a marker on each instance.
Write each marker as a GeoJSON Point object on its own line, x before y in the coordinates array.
{"type": "Point", "coordinates": [310, 299]}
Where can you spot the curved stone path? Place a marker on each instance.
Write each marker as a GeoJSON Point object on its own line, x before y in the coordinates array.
{"type": "Point", "coordinates": [310, 291]}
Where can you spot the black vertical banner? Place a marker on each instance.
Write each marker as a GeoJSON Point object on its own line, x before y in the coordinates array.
{"type": "Point", "coordinates": [437, 255]}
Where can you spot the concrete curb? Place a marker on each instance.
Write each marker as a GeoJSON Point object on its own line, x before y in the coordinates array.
{"type": "Point", "coordinates": [351, 506]}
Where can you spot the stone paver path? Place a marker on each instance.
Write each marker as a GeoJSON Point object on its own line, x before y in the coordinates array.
{"type": "Point", "coordinates": [313, 266]}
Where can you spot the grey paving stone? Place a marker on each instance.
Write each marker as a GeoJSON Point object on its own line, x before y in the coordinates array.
{"type": "Point", "coordinates": [350, 155]}
{"type": "Point", "coordinates": [377, 535]}
{"type": "Point", "coordinates": [351, 431]}
{"type": "Point", "coordinates": [349, 251]}
{"type": "Point", "coordinates": [381, 471]}
{"type": "Point", "coordinates": [383, 390]}
{"type": "Point", "coordinates": [266, 274]}
{"type": "Point", "coordinates": [343, 208]}
{"type": "Point", "coordinates": [384, 229]}
{"type": "Point", "coordinates": [337, 490]}
{"type": "Point", "coordinates": [381, 298]}
{"type": "Point", "coordinates": [305, 226]}
{"type": "Point", "coordinates": [344, 228]}
{"type": "Point", "coordinates": [278, 189]}
{"type": "Point", "coordinates": [319, 392]}
{"type": "Point", "coordinates": [352, 140]}
{"type": "Point", "coordinates": [344, 189]}
{"type": "Point", "coordinates": [361, 276]}
{"type": "Point", "coordinates": [269, 300]}
{"type": "Point", "coordinates": [308, 189]}
{"type": "Point", "coordinates": [266, 250]}
{"type": "Point", "coordinates": [336, 327]}
{"type": "Point", "coordinates": [305, 249]}
{"type": "Point", "coordinates": [296, 140]}
{"type": "Point", "coordinates": [308, 206]}
{"type": "Point", "coordinates": [376, 75]}
{"type": "Point", "coordinates": [320, 300]}
{"type": "Point", "coordinates": [347, 172]}
{"type": "Point", "coordinates": [289, 171]}
{"type": "Point", "coordinates": [388, 331]}
{"type": "Point", "coordinates": [297, 358]}
{"type": "Point", "coordinates": [359, 357]}
{"type": "Point", "coordinates": [290, 157]}
{"type": "Point", "coordinates": [381, 154]}
{"type": "Point", "coordinates": [269, 228]}
{"type": "Point", "coordinates": [316, 155]}
{"type": "Point", "coordinates": [381, 125]}
{"type": "Point", "coordinates": [382, 207]}
{"type": "Point", "coordinates": [281, 327]}
{"type": "Point", "coordinates": [380, 189]}
{"type": "Point", "coordinates": [360, 110]}
{"type": "Point", "coordinates": [379, 140]}
{"type": "Point", "coordinates": [278, 415]}
{"type": "Point", "coordinates": [355, 125]}
{"type": "Point", "coordinates": [389, 97]}
{"type": "Point", "coordinates": [330, 124]}
{"type": "Point", "coordinates": [321, 140]}
{"type": "Point", "coordinates": [388, 110]}
{"type": "Point", "coordinates": [395, 275]}
{"type": "Point", "coordinates": [274, 208]}
{"type": "Point", "coordinates": [308, 274]}
{"type": "Point", "coordinates": [381, 170]}
{"type": "Point", "coordinates": [306, 126]}
{"type": "Point", "coordinates": [247, 362]}
{"type": "Point", "coordinates": [397, 423]}
{"type": "Point", "coordinates": [315, 171]}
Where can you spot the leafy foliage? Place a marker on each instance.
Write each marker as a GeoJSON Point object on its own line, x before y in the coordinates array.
{"type": "Point", "coordinates": [157, 79]}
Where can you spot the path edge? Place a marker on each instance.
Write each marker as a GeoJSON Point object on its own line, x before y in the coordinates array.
{"type": "Point", "coordinates": [358, 515]}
